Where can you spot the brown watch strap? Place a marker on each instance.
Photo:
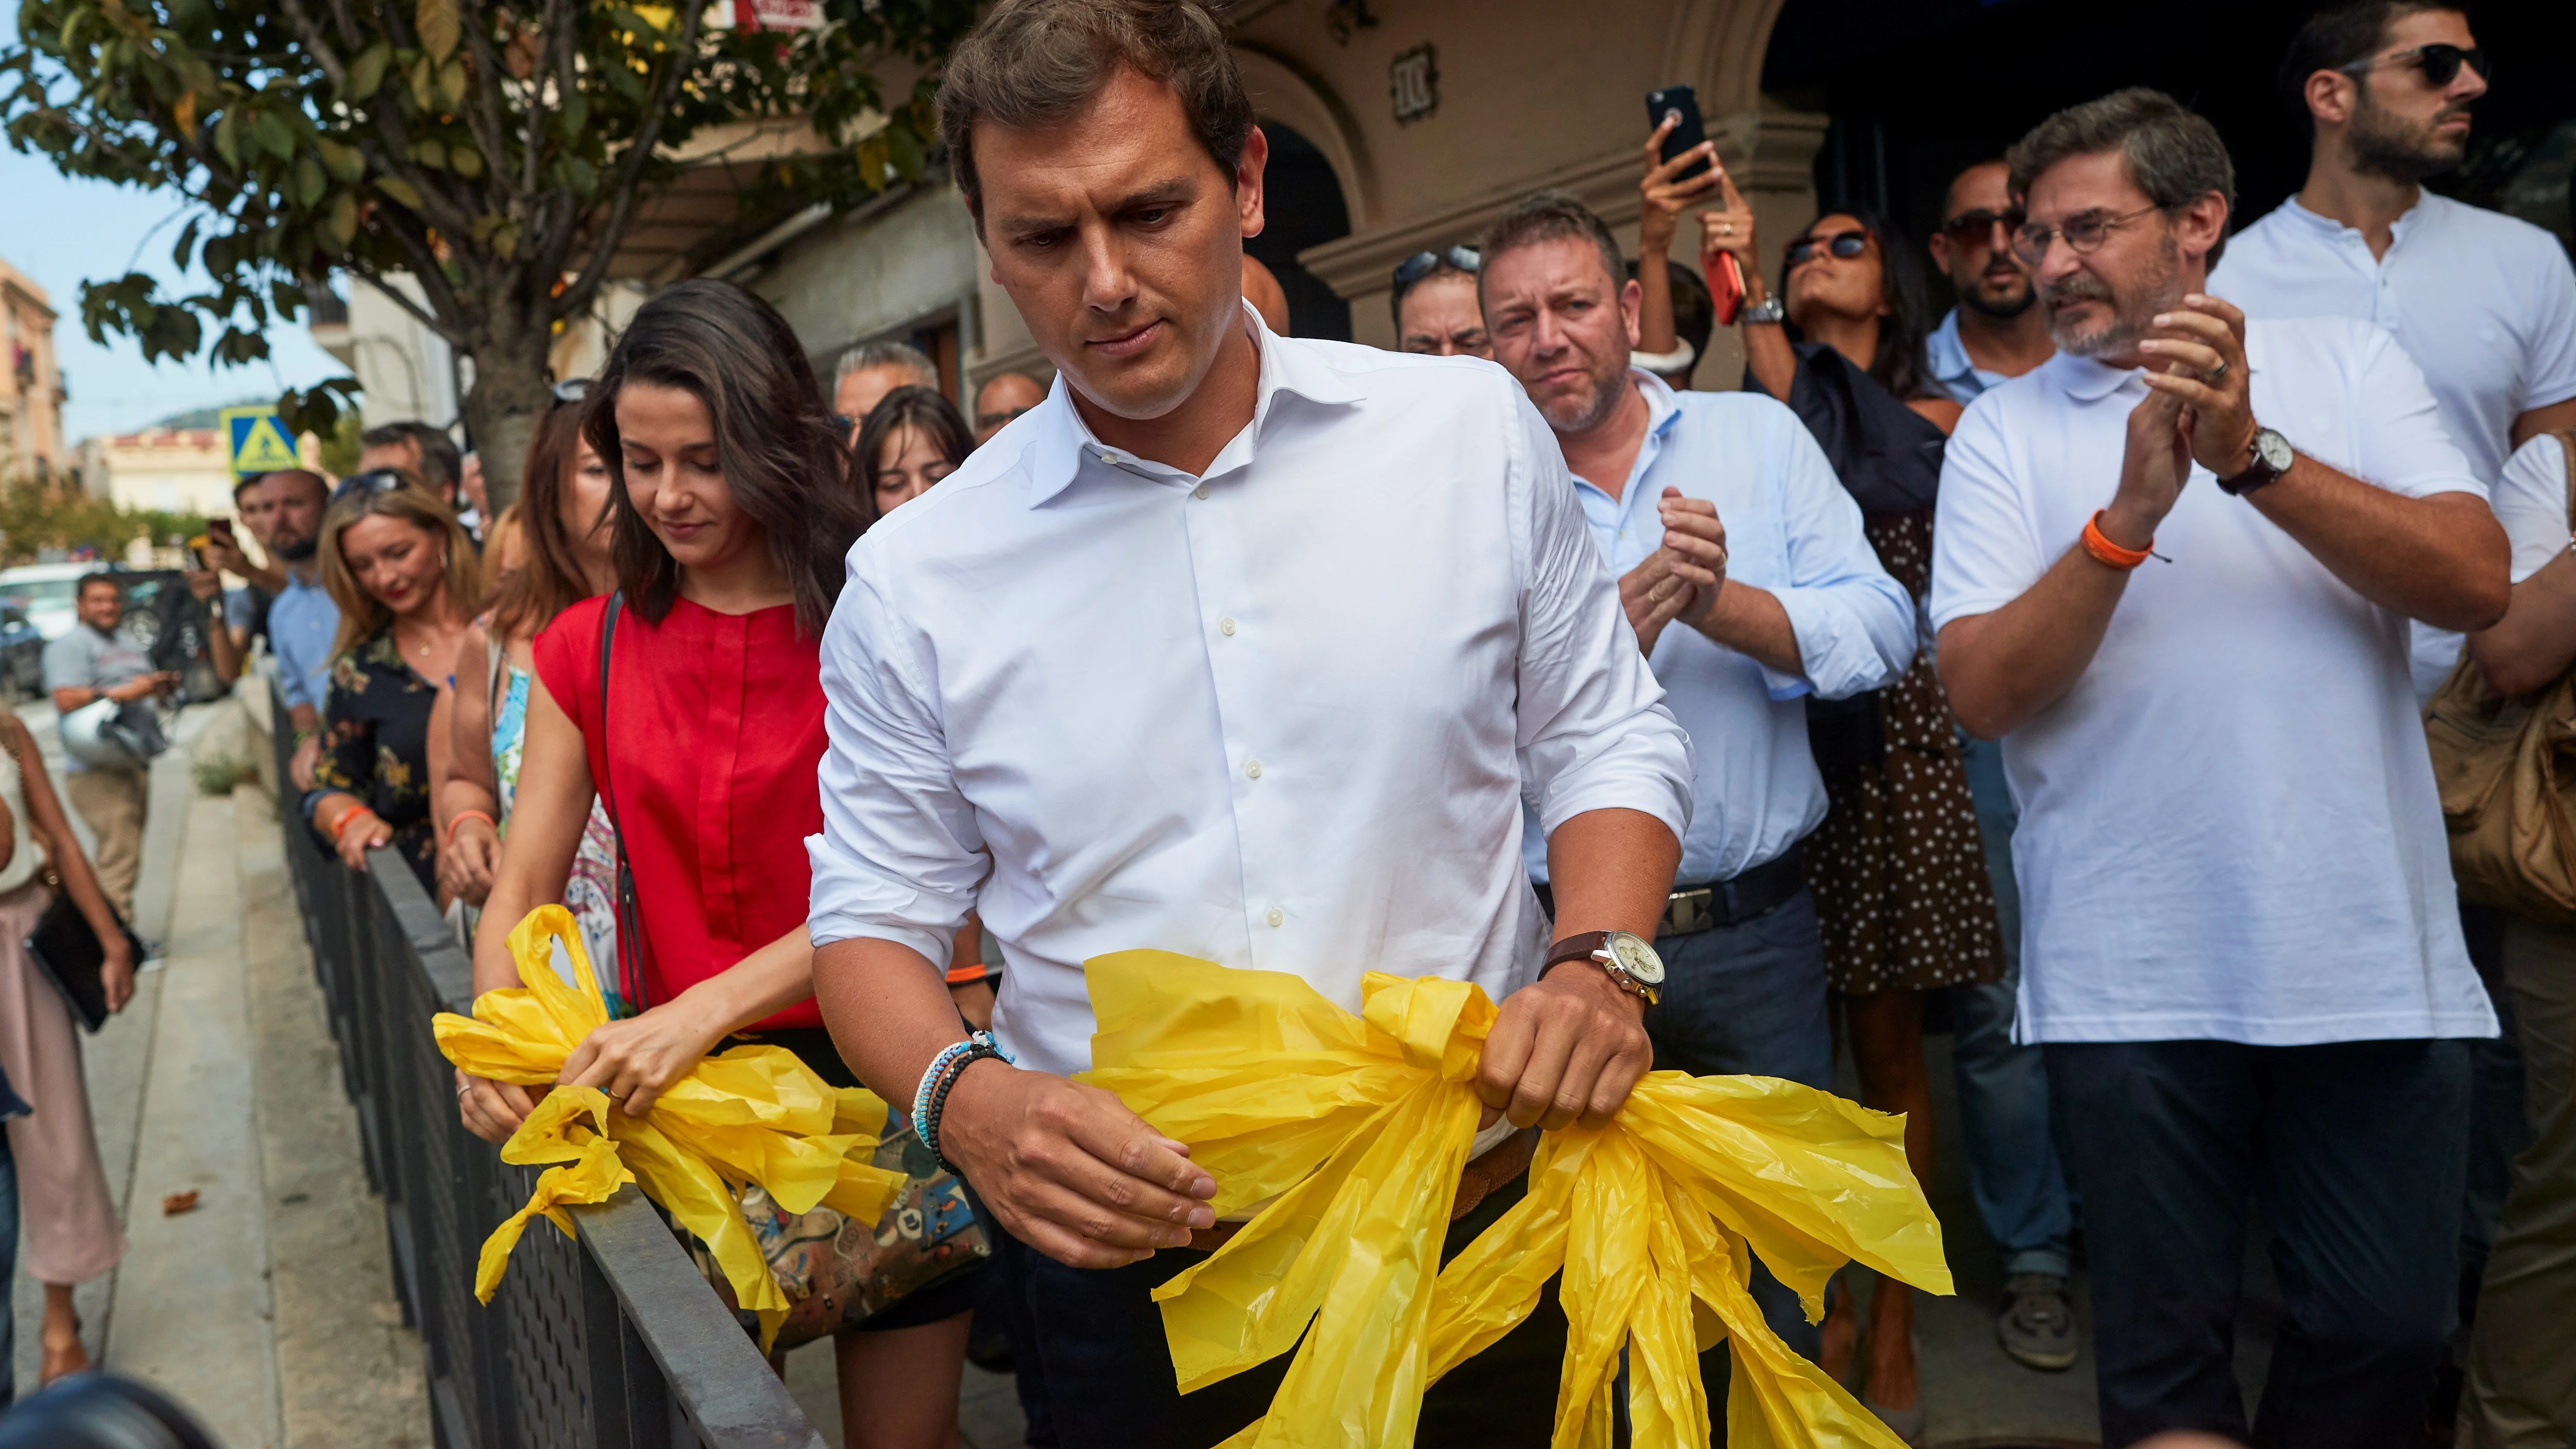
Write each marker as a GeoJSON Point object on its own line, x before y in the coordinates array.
{"type": "Point", "coordinates": [1574, 948]}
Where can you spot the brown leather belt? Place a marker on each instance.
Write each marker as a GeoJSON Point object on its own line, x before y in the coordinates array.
{"type": "Point", "coordinates": [1747, 896]}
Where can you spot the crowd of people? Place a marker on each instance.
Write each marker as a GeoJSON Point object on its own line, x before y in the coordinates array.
{"type": "Point", "coordinates": [2055, 667]}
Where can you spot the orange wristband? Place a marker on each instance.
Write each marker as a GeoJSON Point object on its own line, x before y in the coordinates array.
{"type": "Point", "coordinates": [349, 817]}
{"type": "Point", "coordinates": [461, 816]}
{"type": "Point", "coordinates": [968, 974]}
{"type": "Point", "coordinates": [2109, 554]}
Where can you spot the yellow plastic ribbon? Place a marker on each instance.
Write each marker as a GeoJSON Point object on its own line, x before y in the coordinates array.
{"type": "Point", "coordinates": [754, 1114]}
{"type": "Point", "coordinates": [1348, 1134]}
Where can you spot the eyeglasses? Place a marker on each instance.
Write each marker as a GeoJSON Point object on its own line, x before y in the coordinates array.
{"type": "Point", "coordinates": [1844, 244]}
{"type": "Point", "coordinates": [1422, 264]}
{"type": "Point", "coordinates": [1976, 228]}
{"type": "Point", "coordinates": [1000, 419]}
{"type": "Point", "coordinates": [367, 484]}
{"type": "Point", "coordinates": [571, 390]}
{"type": "Point", "coordinates": [2084, 232]}
{"type": "Point", "coordinates": [2440, 62]}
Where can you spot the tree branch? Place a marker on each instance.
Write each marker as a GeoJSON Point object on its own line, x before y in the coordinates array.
{"type": "Point", "coordinates": [316, 43]}
{"type": "Point", "coordinates": [684, 60]}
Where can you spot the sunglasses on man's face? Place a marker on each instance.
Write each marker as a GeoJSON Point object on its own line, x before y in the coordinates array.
{"type": "Point", "coordinates": [1844, 244]}
{"type": "Point", "coordinates": [2440, 62]}
{"type": "Point", "coordinates": [1421, 264]}
{"type": "Point", "coordinates": [1977, 228]}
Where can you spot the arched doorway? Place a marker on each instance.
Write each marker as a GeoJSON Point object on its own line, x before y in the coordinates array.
{"type": "Point", "coordinates": [1919, 89]}
{"type": "Point", "coordinates": [1302, 202]}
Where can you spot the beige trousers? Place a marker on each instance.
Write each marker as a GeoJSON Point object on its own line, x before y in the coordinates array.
{"type": "Point", "coordinates": [2521, 1391]}
{"type": "Point", "coordinates": [113, 802]}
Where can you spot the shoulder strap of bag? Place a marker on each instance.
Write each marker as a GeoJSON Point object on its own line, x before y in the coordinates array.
{"type": "Point", "coordinates": [630, 924]}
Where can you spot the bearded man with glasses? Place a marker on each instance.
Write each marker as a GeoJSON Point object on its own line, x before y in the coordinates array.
{"type": "Point", "coordinates": [1997, 331]}
{"type": "Point", "coordinates": [2484, 303]}
{"type": "Point", "coordinates": [2171, 569]}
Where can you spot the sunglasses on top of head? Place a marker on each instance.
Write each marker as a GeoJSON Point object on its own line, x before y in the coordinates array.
{"type": "Point", "coordinates": [1844, 244]}
{"type": "Point", "coordinates": [2440, 62]}
{"type": "Point", "coordinates": [570, 391]}
{"type": "Point", "coordinates": [367, 484]}
{"type": "Point", "coordinates": [1421, 264]}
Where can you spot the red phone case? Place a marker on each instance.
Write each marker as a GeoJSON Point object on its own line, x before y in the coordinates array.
{"type": "Point", "coordinates": [1726, 287]}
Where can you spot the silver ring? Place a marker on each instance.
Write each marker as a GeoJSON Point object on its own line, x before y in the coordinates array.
{"type": "Point", "coordinates": [2216, 374]}
{"type": "Point", "coordinates": [462, 1088]}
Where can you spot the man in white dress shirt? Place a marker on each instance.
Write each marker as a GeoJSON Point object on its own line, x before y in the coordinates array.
{"type": "Point", "coordinates": [2485, 303]}
{"type": "Point", "coordinates": [1240, 646]}
{"type": "Point", "coordinates": [2238, 940]}
{"type": "Point", "coordinates": [1744, 571]}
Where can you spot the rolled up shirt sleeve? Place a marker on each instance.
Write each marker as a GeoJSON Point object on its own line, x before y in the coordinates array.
{"type": "Point", "coordinates": [1593, 730]}
{"type": "Point", "coordinates": [1854, 623]}
{"type": "Point", "coordinates": [900, 856]}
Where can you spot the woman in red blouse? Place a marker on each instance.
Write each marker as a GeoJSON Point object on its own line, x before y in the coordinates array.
{"type": "Point", "coordinates": [730, 518]}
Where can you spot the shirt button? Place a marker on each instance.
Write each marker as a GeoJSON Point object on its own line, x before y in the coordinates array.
{"type": "Point", "coordinates": [1199, 492]}
{"type": "Point", "coordinates": [1277, 917]}
{"type": "Point", "coordinates": [1225, 627]}
{"type": "Point", "coordinates": [1253, 769]}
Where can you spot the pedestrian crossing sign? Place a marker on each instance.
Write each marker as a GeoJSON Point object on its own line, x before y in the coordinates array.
{"type": "Point", "coordinates": [256, 442]}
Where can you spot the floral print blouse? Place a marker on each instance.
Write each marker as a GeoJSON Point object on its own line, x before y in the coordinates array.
{"type": "Point", "coordinates": [375, 745]}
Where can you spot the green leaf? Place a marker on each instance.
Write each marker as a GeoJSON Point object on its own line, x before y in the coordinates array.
{"type": "Point", "coordinates": [342, 225]}
{"type": "Point", "coordinates": [309, 182]}
{"type": "Point", "coordinates": [505, 242]}
{"type": "Point", "coordinates": [228, 136]}
{"type": "Point", "coordinates": [578, 177]}
{"type": "Point", "coordinates": [464, 160]}
{"type": "Point", "coordinates": [397, 189]}
{"type": "Point", "coordinates": [275, 136]}
{"type": "Point", "coordinates": [345, 162]}
{"type": "Point", "coordinates": [903, 151]}
{"type": "Point", "coordinates": [428, 152]}
{"type": "Point", "coordinates": [367, 72]}
{"type": "Point", "coordinates": [451, 81]}
{"type": "Point", "coordinates": [285, 298]}
{"type": "Point", "coordinates": [575, 114]}
{"type": "Point", "coordinates": [185, 251]}
{"type": "Point", "coordinates": [421, 77]}
{"type": "Point", "coordinates": [436, 22]}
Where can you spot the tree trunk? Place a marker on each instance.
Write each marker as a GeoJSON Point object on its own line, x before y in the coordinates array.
{"type": "Point", "coordinates": [503, 407]}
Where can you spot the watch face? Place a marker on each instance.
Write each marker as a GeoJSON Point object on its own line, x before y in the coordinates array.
{"type": "Point", "coordinates": [2272, 450]}
{"type": "Point", "coordinates": [1636, 956]}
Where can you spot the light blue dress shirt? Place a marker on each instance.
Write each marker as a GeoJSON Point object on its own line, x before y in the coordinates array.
{"type": "Point", "coordinates": [301, 625]}
{"type": "Point", "coordinates": [1952, 367]}
{"type": "Point", "coordinates": [1793, 532]}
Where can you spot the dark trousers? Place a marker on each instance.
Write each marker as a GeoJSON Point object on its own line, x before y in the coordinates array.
{"type": "Point", "coordinates": [2354, 1152]}
{"type": "Point", "coordinates": [1106, 1374]}
{"type": "Point", "coordinates": [1749, 999]}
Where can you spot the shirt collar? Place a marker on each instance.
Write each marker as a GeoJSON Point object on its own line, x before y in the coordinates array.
{"type": "Point", "coordinates": [1947, 354]}
{"type": "Point", "coordinates": [2086, 380]}
{"type": "Point", "coordinates": [1287, 366]}
{"type": "Point", "coordinates": [2327, 226]}
{"type": "Point", "coordinates": [1663, 410]}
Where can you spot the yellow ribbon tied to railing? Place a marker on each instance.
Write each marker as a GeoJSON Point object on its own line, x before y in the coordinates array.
{"type": "Point", "coordinates": [752, 1114]}
{"type": "Point", "coordinates": [1343, 1138]}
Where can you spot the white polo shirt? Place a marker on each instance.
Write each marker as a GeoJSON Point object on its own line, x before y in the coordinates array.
{"type": "Point", "coordinates": [2229, 829]}
{"type": "Point", "coordinates": [2484, 303]}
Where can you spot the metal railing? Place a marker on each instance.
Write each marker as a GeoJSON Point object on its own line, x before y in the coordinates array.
{"type": "Point", "coordinates": [612, 1343]}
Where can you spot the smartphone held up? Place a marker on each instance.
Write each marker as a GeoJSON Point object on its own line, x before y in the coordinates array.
{"type": "Point", "coordinates": [1680, 106]}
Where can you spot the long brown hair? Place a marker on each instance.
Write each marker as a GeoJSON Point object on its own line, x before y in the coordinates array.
{"type": "Point", "coordinates": [362, 615]}
{"type": "Point", "coordinates": [925, 410]}
{"type": "Point", "coordinates": [549, 579]}
{"type": "Point", "coordinates": [775, 441]}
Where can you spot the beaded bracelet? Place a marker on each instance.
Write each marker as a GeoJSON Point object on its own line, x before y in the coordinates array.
{"type": "Point", "coordinates": [932, 1098]}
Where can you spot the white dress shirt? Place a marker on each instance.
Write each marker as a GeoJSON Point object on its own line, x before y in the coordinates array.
{"type": "Point", "coordinates": [2229, 829]}
{"type": "Point", "coordinates": [1790, 530]}
{"type": "Point", "coordinates": [2485, 304]}
{"type": "Point", "coordinates": [2531, 502]}
{"type": "Point", "coordinates": [1278, 715]}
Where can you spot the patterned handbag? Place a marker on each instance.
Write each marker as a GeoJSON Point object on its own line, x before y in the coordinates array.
{"type": "Point", "coordinates": [837, 1272]}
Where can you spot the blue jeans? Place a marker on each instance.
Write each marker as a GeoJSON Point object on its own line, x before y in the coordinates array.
{"type": "Point", "coordinates": [2013, 1166]}
{"type": "Point", "coordinates": [1749, 999]}
{"type": "Point", "coordinates": [2355, 1154]}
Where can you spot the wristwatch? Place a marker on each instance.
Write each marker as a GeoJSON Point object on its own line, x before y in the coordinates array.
{"type": "Point", "coordinates": [1629, 958]}
{"type": "Point", "coordinates": [1770, 310]}
{"type": "Point", "coordinates": [2272, 458]}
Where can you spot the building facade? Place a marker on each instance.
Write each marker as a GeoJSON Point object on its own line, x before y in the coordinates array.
{"type": "Point", "coordinates": [169, 470]}
{"type": "Point", "coordinates": [31, 384]}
